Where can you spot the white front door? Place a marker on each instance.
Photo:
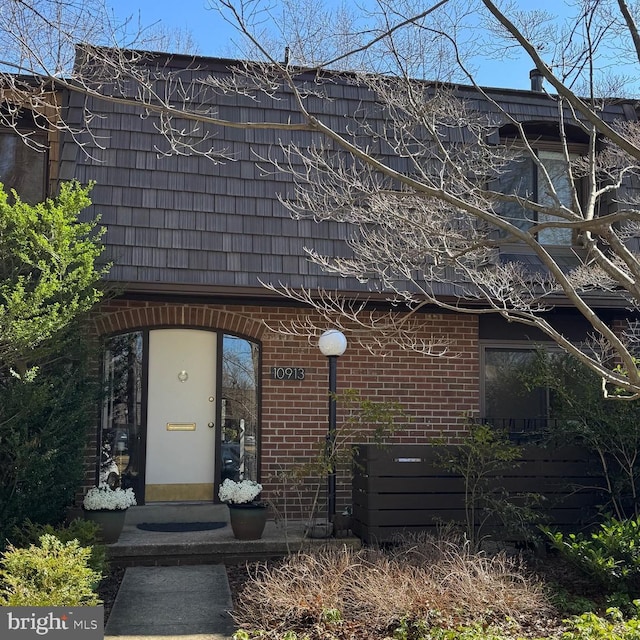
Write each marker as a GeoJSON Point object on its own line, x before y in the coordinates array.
{"type": "Point", "coordinates": [180, 459]}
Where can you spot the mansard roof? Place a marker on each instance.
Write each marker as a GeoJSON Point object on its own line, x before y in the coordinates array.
{"type": "Point", "coordinates": [185, 224]}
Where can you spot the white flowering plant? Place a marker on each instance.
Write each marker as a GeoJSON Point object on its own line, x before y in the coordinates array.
{"type": "Point", "coordinates": [106, 498]}
{"type": "Point", "coordinates": [241, 492]}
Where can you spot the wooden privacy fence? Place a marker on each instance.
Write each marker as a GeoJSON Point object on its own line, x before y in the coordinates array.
{"type": "Point", "coordinates": [405, 488]}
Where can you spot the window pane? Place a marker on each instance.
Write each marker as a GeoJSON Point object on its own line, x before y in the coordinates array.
{"type": "Point", "coordinates": [523, 178]}
{"type": "Point", "coordinates": [556, 167]}
{"type": "Point", "coordinates": [518, 179]}
{"type": "Point", "coordinates": [22, 168]}
{"type": "Point", "coordinates": [240, 361]}
{"type": "Point", "coordinates": [122, 411]}
{"type": "Point", "coordinates": [507, 402]}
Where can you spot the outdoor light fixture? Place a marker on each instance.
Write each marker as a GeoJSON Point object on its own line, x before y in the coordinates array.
{"type": "Point", "coordinates": [332, 344]}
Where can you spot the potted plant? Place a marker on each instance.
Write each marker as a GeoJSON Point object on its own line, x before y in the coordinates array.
{"type": "Point", "coordinates": [248, 516]}
{"type": "Point", "coordinates": [107, 507]}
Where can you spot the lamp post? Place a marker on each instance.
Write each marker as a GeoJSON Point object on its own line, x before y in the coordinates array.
{"type": "Point", "coordinates": [332, 344]}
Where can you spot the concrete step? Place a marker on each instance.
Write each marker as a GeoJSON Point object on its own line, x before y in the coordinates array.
{"type": "Point", "coordinates": [137, 547]}
{"type": "Point", "coordinates": [177, 512]}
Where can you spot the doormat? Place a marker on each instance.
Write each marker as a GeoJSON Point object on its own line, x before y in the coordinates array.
{"type": "Point", "coordinates": [169, 527]}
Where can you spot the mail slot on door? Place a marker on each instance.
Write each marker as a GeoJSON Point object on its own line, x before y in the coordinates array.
{"type": "Point", "coordinates": [181, 426]}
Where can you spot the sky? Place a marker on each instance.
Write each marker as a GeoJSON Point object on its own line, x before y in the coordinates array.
{"type": "Point", "coordinates": [215, 37]}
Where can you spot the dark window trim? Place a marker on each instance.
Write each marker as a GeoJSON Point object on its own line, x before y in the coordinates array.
{"type": "Point", "coordinates": [43, 139]}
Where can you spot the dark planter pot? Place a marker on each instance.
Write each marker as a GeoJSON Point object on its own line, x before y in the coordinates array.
{"type": "Point", "coordinates": [248, 520]}
{"type": "Point", "coordinates": [110, 522]}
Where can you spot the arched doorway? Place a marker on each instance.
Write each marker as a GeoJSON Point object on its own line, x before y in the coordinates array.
{"type": "Point", "coordinates": [180, 412]}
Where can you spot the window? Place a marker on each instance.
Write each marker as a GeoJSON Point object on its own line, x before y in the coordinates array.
{"type": "Point", "coordinates": [527, 180]}
{"type": "Point", "coordinates": [508, 404]}
{"type": "Point", "coordinates": [122, 411]}
{"type": "Point", "coordinates": [524, 178]}
{"type": "Point", "coordinates": [240, 367]}
{"type": "Point", "coordinates": [23, 168]}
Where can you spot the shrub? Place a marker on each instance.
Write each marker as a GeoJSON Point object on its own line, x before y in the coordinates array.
{"type": "Point", "coordinates": [610, 555]}
{"type": "Point", "coordinates": [43, 427]}
{"type": "Point", "coordinates": [363, 421]}
{"type": "Point", "coordinates": [52, 574]}
{"type": "Point", "coordinates": [583, 416]}
{"type": "Point", "coordinates": [84, 531]}
{"type": "Point", "coordinates": [484, 452]}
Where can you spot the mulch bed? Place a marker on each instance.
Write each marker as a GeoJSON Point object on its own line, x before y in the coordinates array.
{"type": "Point", "coordinates": [108, 589]}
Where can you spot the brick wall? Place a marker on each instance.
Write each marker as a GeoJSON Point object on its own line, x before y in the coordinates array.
{"type": "Point", "coordinates": [435, 392]}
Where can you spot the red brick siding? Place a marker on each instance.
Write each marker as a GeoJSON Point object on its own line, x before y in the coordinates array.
{"type": "Point", "coordinates": [436, 392]}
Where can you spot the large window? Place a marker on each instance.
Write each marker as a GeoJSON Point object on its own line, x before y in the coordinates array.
{"type": "Point", "coordinates": [508, 403]}
{"type": "Point", "coordinates": [122, 411]}
{"type": "Point", "coordinates": [526, 179]}
{"type": "Point", "coordinates": [240, 366]}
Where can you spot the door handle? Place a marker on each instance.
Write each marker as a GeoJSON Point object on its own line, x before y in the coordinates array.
{"type": "Point", "coordinates": [210, 425]}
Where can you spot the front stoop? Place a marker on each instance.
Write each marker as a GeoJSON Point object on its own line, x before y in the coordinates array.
{"type": "Point", "coordinates": [138, 547]}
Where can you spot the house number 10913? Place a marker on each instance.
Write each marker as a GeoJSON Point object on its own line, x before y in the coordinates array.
{"type": "Point", "coordinates": [287, 373]}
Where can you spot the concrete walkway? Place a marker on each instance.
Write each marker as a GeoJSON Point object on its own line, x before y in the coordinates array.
{"type": "Point", "coordinates": [175, 584]}
{"type": "Point", "coordinates": [160, 603]}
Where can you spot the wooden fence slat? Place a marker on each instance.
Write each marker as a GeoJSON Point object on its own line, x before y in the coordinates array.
{"type": "Point", "coordinates": [404, 488]}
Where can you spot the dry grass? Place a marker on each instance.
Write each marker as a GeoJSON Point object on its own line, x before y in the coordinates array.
{"type": "Point", "coordinates": [439, 581]}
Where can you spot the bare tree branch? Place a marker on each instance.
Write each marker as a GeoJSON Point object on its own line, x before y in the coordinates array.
{"type": "Point", "coordinates": [437, 187]}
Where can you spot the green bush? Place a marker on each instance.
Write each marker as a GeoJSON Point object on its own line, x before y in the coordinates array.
{"type": "Point", "coordinates": [84, 531]}
{"type": "Point", "coordinates": [610, 555]}
{"type": "Point", "coordinates": [43, 425]}
{"type": "Point", "coordinates": [52, 574]}
{"type": "Point", "coordinates": [583, 416]}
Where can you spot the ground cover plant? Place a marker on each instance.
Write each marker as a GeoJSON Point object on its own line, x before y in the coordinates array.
{"type": "Point", "coordinates": [609, 557]}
